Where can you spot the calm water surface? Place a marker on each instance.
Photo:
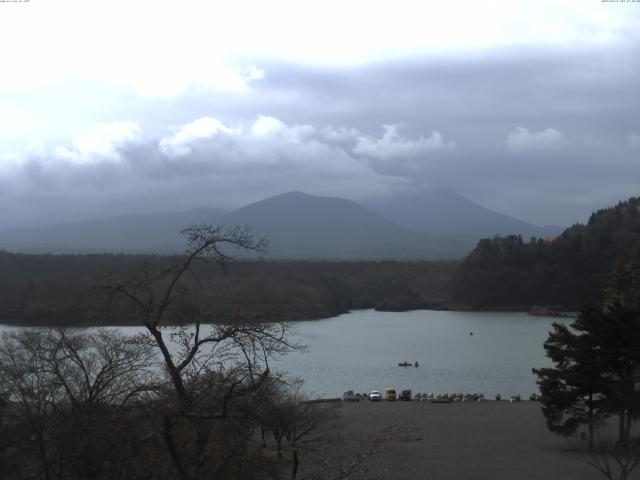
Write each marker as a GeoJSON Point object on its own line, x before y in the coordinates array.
{"type": "Point", "coordinates": [361, 350]}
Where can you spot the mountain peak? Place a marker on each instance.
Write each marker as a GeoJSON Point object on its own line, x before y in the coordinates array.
{"type": "Point", "coordinates": [296, 195]}
{"type": "Point", "coordinates": [293, 194]}
{"type": "Point", "coordinates": [300, 225]}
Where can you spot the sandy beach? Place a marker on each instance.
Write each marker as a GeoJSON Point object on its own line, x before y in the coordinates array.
{"type": "Point", "coordinates": [480, 441]}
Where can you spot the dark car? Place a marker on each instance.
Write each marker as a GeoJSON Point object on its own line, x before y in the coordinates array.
{"type": "Point", "coordinates": [349, 396]}
{"type": "Point", "coordinates": [405, 395]}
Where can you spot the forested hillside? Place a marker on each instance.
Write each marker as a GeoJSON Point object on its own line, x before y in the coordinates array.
{"type": "Point", "coordinates": [567, 271]}
{"type": "Point", "coordinates": [68, 289]}
{"type": "Point", "coordinates": [500, 273]}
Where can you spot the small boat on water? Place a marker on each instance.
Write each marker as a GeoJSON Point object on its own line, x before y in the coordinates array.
{"type": "Point", "coordinates": [408, 364]}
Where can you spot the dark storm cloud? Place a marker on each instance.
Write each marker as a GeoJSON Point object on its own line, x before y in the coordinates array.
{"type": "Point", "coordinates": [581, 90]}
{"type": "Point", "coordinates": [590, 99]}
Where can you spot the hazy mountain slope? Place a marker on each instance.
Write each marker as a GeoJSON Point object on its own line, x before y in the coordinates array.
{"type": "Point", "coordinates": [428, 224]}
{"type": "Point", "coordinates": [152, 233]}
{"type": "Point", "coordinates": [444, 213]}
{"type": "Point", "coordinates": [305, 226]}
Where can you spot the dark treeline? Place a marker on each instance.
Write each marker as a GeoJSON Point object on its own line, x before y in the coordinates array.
{"type": "Point", "coordinates": [65, 289]}
{"type": "Point", "coordinates": [570, 270]}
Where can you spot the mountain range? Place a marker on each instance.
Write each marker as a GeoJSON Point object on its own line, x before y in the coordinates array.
{"type": "Point", "coordinates": [429, 223]}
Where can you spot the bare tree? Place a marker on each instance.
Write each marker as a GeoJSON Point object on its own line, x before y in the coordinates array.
{"type": "Point", "coordinates": [307, 421]}
{"type": "Point", "coordinates": [100, 368]}
{"type": "Point", "coordinates": [4, 444]}
{"type": "Point", "coordinates": [307, 430]}
{"type": "Point", "coordinates": [212, 368]}
{"type": "Point", "coordinates": [614, 460]}
{"type": "Point", "coordinates": [32, 393]}
{"type": "Point", "coordinates": [340, 457]}
{"type": "Point", "coordinates": [66, 393]}
{"type": "Point", "coordinates": [100, 373]}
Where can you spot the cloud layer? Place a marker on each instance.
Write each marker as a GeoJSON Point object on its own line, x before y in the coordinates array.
{"type": "Point", "coordinates": [206, 161]}
{"type": "Point", "coordinates": [393, 146]}
{"type": "Point", "coordinates": [533, 112]}
{"type": "Point", "coordinates": [521, 140]}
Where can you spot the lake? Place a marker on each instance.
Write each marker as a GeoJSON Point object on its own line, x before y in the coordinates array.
{"type": "Point", "coordinates": [361, 350]}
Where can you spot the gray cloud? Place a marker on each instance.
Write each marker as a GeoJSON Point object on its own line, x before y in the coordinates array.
{"type": "Point", "coordinates": [521, 140]}
{"type": "Point", "coordinates": [543, 135]}
{"type": "Point", "coordinates": [203, 162]}
{"type": "Point", "coordinates": [393, 146]}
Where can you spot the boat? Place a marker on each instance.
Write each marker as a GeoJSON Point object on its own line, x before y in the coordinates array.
{"type": "Point", "coordinates": [405, 364]}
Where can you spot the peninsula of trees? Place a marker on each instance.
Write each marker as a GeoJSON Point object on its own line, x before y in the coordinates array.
{"type": "Point", "coordinates": [566, 271]}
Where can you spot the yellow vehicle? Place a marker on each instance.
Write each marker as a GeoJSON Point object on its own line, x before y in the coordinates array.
{"type": "Point", "coordinates": [390, 394]}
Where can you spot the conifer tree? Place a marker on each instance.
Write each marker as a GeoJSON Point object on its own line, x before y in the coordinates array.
{"type": "Point", "coordinates": [596, 359]}
{"type": "Point", "coordinates": [571, 391]}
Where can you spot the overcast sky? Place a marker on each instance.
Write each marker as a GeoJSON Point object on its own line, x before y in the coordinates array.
{"type": "Point", "coordinates": [529, 108]}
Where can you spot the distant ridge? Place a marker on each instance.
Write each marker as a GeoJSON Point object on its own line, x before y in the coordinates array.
{"type": "Point", "coordinates": [425, 224]}
{"type": "Point", "coordinates": [444, 213]}
{"type": "Point", "coordinates": [136, 233]}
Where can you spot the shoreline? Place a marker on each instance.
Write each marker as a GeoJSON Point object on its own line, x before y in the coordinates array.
{"type": "Point", "coordinates": [324, 315]}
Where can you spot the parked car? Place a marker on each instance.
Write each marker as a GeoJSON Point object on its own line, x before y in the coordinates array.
{"type": "Point", "coordinates": [390, 394]}
{"type": "Point", "coordinates": [405, 395]}
{"type": "Point", "coordinates": [349, 396]}
{"type": "Point", "coordinates": [375, 396]}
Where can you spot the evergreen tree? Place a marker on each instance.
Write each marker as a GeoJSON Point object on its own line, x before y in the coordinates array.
{"type": "Point", "coordinates": [619, 353]}
{"type": "Point", "coordinates": [624, 283]}
{"type": "Point", "coordinates": [622, 335]}
{"type": "Point", "coordinates": [597, 359]}
{"type": "Point", "coordinates": [572, 391]}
